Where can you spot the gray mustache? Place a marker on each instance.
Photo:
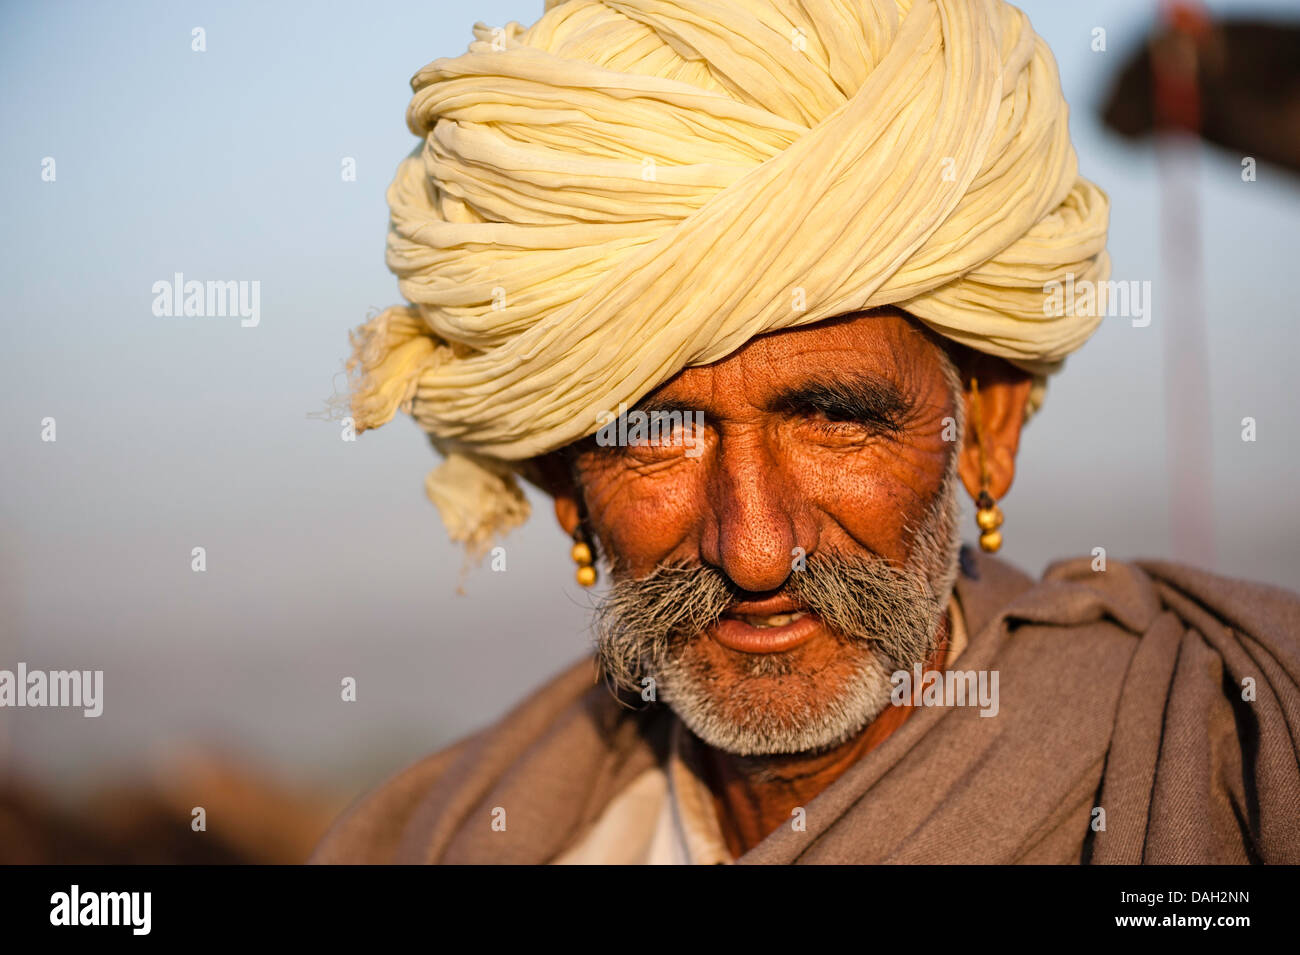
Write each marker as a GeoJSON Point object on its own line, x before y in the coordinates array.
{"type": "Point", "coordinates": [642, 620]}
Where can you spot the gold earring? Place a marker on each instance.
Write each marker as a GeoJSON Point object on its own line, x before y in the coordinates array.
{"type": "Point", "coordinates": [583, 557]}
{"type": "Point", "coordinates": [988, 516]}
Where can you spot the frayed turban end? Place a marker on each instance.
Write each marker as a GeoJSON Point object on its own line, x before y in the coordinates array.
{"type": "Point", "coordinates": [479, 500]}
{"type": "Point", "coordinates": [389, 353]}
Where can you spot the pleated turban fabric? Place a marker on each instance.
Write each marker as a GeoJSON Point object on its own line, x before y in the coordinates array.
{"type": "Point", "coordinates": [631, 187]}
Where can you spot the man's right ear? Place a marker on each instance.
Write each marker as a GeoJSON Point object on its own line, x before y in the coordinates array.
{"type": "Point", "coordinates": [557, 477]}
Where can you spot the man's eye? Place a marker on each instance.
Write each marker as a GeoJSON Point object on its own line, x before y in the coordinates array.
{"type": "Point", "coordinates": [838, 425]}
{"type": "Point", "coordinates": [837, 421]}
{"type": "Point", "coordinates": [655, 433]}
{"type": "Point", "coordinates": [665, 435]}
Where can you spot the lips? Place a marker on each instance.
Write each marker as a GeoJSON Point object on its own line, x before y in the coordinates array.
{"type": "Point", "coordinates": [747, 629]}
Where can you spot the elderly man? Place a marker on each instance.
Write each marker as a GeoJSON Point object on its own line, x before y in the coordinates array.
{"type": "Point", "coordinates": [755, 290]}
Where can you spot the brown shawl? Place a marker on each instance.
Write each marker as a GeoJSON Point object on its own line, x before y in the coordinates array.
{"type": "Point", "coordinates": [1120, 689]}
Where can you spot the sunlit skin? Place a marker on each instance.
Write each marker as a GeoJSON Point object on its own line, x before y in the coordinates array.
{"type": "Point", "coordinates": [776, 475]}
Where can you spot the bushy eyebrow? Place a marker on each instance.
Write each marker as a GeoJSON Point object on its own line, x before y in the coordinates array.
{"type": "Point", "coordinates": [864, 398]}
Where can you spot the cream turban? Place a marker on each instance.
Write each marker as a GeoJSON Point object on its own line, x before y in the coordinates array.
{"type": "Point", "coordinates": [630, 187]}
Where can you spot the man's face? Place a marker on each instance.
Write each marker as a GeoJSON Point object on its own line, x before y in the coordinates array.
{"type": "Point", "coordinates": [823, 482]}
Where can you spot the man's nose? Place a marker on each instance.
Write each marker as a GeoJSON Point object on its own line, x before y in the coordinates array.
{"type": "Point", "coordinates": [755, 517]}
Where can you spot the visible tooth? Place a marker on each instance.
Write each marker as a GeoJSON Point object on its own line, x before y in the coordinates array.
{"type": "Point", "coordinates": [773, 620]}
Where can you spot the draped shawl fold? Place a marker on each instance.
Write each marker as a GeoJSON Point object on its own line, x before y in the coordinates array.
{"type": "Point", "coordinates": [631, 187]}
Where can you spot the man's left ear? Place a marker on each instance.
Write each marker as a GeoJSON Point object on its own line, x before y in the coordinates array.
{"type": "Point", "coordinates": [1003, 391]}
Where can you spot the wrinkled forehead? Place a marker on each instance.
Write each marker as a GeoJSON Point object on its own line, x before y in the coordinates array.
{"type": "Point", "coordinates": [886, 345]}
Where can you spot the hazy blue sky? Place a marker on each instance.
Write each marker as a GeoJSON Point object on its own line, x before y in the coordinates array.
{"type": "Point", "coordinates": [324, 559]}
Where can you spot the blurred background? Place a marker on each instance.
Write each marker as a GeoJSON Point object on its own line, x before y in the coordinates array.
{"type": "Point", "coordinates": [323, 558]}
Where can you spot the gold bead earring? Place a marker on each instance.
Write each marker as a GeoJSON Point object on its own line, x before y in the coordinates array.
{"type": "Point", "coordinates": [988, 516]}
{"type": "Point", "coordinates": [583, 557]}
